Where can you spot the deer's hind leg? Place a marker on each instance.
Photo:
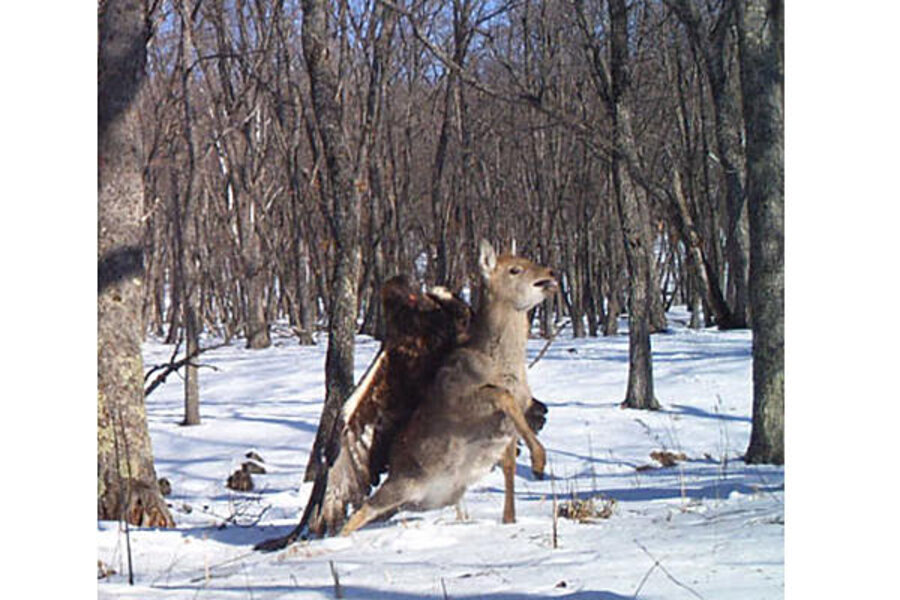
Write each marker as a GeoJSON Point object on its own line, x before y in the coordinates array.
{"type": "Point", "coordinates": [508, 462]}
{"type": "Point", "coordinates": [390, 496]}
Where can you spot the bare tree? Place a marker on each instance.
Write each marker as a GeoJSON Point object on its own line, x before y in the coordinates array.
{"type": "Point", "coordinates": [761, 31]}
{"type": "Point", "coordinates": [613, 83]}
{"type": "Point", "coordinates": [344, 182]}
{"type": "Point", "coordinates": [709, 38]}
{"type": "Point", "coordinates": [126, 480]}
{"type": "Point", "coordinates": [185, 238]}
{"type": "Point", "coordinates": [289, 185]}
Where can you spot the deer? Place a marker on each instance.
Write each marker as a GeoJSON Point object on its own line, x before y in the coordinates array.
{"type": "Point", "coordinates": [474, 410]}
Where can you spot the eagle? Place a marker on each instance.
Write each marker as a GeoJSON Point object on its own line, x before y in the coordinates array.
{"type": "Point", "coordinates": [421, 330]}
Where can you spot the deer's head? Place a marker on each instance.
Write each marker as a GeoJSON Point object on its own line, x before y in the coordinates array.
{"type": "Point", "coordinates": [514, 280]}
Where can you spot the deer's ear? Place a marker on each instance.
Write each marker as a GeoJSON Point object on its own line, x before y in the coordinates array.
{"type": "Point", "coordinates": [487, 258]}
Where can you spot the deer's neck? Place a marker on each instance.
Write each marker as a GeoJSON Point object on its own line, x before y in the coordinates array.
{"type": "Point", "coordinates": [502, 332]}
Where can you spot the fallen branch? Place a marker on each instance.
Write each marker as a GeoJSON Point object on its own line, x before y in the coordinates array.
{"type": "Point", "coordinates": [174, 365]}
{"type": "Point", "coordinates": [156, 368]}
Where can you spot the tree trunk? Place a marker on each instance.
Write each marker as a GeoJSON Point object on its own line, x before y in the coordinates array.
{"type": "Point", "coordinates": [726, 115]}
{"type": "Point", "coordinates": [639, 393]}
{"type": "Point", "coordinates": [257, 323]}
{"type": "Point", "coordinates": [186, 236]}
{"type": "Point", "coordinates": [640, 370]}
{"type": "Point", "coordinates": [761, 31]}
{"type": "Point", "coordinates": [611, 284]}
{"type": "Point", "coordinates": [126, 479]}
{"type": "Point", "coordinates": [306, 298]}
{"type": "Point", "coordinates": [700, 266]}
{"type": "Point", "coordinates": [345, 208]}
{"type": "Point", "coordinates": [191, 380]}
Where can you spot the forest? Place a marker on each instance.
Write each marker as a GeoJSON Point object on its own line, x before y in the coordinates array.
{"type": "Point", "coordinates": [453, 121]}
{"type": "Point", "coordinates": [266, 165]}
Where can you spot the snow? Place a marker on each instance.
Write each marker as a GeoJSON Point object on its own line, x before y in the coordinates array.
{"type": "Point", "coordinates": [709, 527]}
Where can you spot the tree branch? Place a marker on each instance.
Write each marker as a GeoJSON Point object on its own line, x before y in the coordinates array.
{"type": "Point", "coordinates": [173, 365]}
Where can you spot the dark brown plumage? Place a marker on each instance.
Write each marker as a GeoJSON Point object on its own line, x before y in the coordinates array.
{"type": "Point", "coordinates": [421, 330]}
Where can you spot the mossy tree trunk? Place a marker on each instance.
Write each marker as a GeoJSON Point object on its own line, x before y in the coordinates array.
{"type": "Point", "coordinates": [126, 479]}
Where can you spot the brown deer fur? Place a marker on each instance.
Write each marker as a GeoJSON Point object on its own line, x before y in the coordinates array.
{"type": "Point", "coordinates": [474, 409]}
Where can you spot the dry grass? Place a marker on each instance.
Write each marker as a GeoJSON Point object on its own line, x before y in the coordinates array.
{"type": "Point", "coordinates": [665, 458]}
{"type": "Point", "coordinates": [668, 459]}
{"type": "Point", "coordinates": [586, 511]}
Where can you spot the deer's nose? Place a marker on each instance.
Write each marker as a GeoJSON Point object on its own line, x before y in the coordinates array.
{"type": "Point", "coordinates": [546, 284]}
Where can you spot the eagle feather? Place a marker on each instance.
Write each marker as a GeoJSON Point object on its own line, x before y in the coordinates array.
{"type": "Point", "coordinates": [421, 330]}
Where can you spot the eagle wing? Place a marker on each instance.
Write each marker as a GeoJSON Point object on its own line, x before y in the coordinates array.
{"type": "Point", "coordinates": [421, 329]}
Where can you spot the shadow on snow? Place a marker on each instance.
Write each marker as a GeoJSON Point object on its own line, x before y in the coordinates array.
{"type": "Point", "coordinates": [352, 591]}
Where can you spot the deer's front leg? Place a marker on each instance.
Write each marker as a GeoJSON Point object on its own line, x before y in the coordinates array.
{"type": "Point", "coordinates": [507, 403]}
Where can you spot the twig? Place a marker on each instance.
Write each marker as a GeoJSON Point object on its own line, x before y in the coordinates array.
{"type": "Point", "coordinates": [657, 564]}
{"type": "Point", "coordinates": [241, 510]}
{"type": "Point", "coordinates": [547, 345]}
{"type": "Point", "coordinates": [207, 576]}
{"type": "Point", "coordinates": [555, 530]}
{"type": "Point", "coordinates": [247, 579]}
{"type": "Point", "coordinates": [123, 502]}
{"type": "Point", "coordinates": [338, 592]}
{"type": "Point", "coordinates": [644, 580]}
{"type": "Point", "coordinates": [447, 60]}
{"type": "Point", "coordinates": [593, 470]}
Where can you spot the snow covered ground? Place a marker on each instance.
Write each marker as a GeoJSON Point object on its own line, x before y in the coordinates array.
{"type": "Point", "coordinates": [709, 527]}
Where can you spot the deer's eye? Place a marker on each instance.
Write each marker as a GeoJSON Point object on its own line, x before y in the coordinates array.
{"type": "Point", "coordinates": [515, 270]}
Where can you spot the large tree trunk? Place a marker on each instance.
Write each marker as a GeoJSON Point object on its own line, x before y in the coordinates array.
{"type": "Point", "coordinates": [126, 479]}
{"type": "Point", "coordinates": [640, 370]}
{"type": "Point", "coordinates": [761, 30]}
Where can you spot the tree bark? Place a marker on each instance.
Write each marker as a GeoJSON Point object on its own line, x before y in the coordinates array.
{"type": "Point", "coordinates": [257, 323]}
{"type": "Point", "coordinates": [639, 393]}
{"type": "Point", "coordinates": [726, 117]}
{"type": "Point", "coordinates": [761, 33]}
{"type": "Point", "coordinates": [345, 183]}
{"type": "Point", "coordinates": [126, 479]}
{"type": "Point", "coordinates": [185, 238]}
{"type": "Point", "coordinates": [615, 252]}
